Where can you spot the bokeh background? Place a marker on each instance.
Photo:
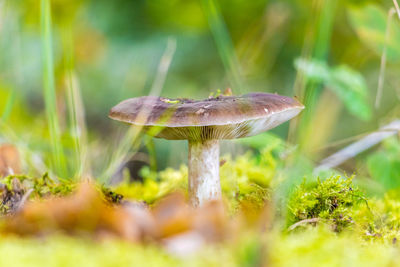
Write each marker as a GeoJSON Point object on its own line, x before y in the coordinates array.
{"type": "Point", "coordinates": [61, 70]}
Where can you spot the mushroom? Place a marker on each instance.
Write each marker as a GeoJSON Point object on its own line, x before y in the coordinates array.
{"type": "Point", "coordinates": [203, 123]}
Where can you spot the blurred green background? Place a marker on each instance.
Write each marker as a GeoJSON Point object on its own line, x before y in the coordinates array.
{"type": "Point", "coordinates": [62, 69]}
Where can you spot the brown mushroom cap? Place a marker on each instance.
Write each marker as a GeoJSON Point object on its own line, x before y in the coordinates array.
{"type": "Point", "coordinates": [223, 117]}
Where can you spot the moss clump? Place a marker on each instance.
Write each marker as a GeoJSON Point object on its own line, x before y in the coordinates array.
{"type": "Point", "coordinates": [248, 180]}
{"type": "Point", "coordinates": [380, 220]}
{"type": "Point", "coordinates": [154, 185]}
{"type": "Point", "coordinates": [42, 186]}
{"type": "Point", "coordinates": [331, 201]}
{"type": "Point", "coordinates": [15, 189]}
{"type": "Point", "coordinates": [244, 179]}
{"type": "Point", "coordinates": [111, 196]}
{"type": "Point", "coordinates": [319, 246]}
{"type": "Point", "coordinates": [306, 248]}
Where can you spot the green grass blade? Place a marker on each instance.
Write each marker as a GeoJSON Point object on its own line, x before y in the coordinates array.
{"type": "Point", "coordinates": [318, 48]}
{"type": "Point", "coordinates": [224, 45]}
{"type": "Point", "coordinates": [381, 79]}
{"type": "Point", "coordinates": [8, 107]}
{"type": "Point", "coordinates": [57, 157]}
{"type": "Point", "coordinates": [130, 140]}
{"type": "Point", "coordinates": [11, 97]}
{"type": "Point", "coordinates": [76, 111]}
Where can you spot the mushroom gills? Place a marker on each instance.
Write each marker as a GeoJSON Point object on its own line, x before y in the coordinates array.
{"type": "Point", "coordinates": [226, 131]}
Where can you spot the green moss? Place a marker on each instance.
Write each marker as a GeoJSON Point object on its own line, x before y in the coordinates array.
{"type": "Point", "coordinates": [319, 246]}
{"type": "Point", "coordinates": [312, 247]}
{"type": "Point", "coordinates": [111, 196]}
{"type": "Point", "coordinates": [66, 251]}
{"type": "Point", "coordinates": [368, 232]}
{"type": "Point", "coordinates": [338, 203]}
{"type": "Point", "coordinates": [154, 186]}
{"type": "Point", "coordinates": [332, 201]}
{"type": "Point", "coordinates": [245, 178]}
{"type": "Point", "coordinates": [42, 186]}
{"type": "Point", "coordinates": [15, 187]}
{"type": "Point", "coordinates": [380, 221]}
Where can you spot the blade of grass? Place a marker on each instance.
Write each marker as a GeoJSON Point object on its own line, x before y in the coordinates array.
{"type": "Point", "coordinates": [130, 140]}
{"type": "Point", "coordinates": [4, 5]}
{"type": "Point", "coordinates": [316, 45]}
{"type": "Point", "coordinates": [11, 97]}
{"type": "Point", "coordinates": [381, 79]}
{"type": "Point", "coordinates": [300, 83]}
{"type": "Point", "coordinates": [321, 48]}
{"type": "Point", "coordinates": [224, 44]}
{"type": "Point", "coordinates": [76, 110]}
{"type": "Point", "coordinates": [318, 48]}
{"type": "Point", "coordinates": [57, 156]}
{"type": "Point", "coordinates": [396, 5]}
{"type": "Point", "coordinates": [9, 106]}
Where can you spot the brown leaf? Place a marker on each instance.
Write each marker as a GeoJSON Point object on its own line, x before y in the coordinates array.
{"type": "Point", "coordinates": [172, 222]}
{"type": "Point", "coordinates": [173, 215]}
{"type": "Point", "coordinates": [211, 221]}
{"type": "Point", "coordinates": [84, 212]}
{"type": "Point", "coordinates": [9, 160]}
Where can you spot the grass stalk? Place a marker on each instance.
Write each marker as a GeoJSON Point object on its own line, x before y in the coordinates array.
{"type": "Point", "coordinates": [57, 156]}
{"type": "Point", "coordinates": [382, 69]}
{"type": "Point", "coordinates": [130, 140]}
{"type": "Point", "coordinates": [224, 44]}
{"type": "Point", "coordinates": [396, 6]}
{"type": "Point", "coordinates": [76, 110]}
{"type": "Point", "coordinates": [316, 45]}
{"type": "Point", "coordinates": [325, 13]}
{"type": "Point", "coordinates": [12, 96]}
{"type": "Point", "coordinates": [9, 106]}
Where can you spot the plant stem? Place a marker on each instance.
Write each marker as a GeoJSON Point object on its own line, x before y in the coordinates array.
{"type": "Point", "coordinates": [58, 159]}
{"type": "Point", "coordinates": [8, 106]}
{"type": "Point", "coordinates": [326, 14]}
{"type": "Point", "coordinates": [381, 79]}
{"type": "Point", "coordinates": [224, 44]}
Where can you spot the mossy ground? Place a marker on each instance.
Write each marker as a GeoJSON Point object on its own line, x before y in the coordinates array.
{"type": "Point", "coordinates": [313, 247]}
{"type": "Point", "coordinates": [350, 229]}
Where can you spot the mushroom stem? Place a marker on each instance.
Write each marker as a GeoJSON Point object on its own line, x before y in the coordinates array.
{"type": "Point", "coordinates": [203, 164]}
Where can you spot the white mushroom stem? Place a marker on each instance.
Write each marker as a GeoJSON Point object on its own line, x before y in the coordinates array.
{"type": "Point", "coordinates": [203, 163]}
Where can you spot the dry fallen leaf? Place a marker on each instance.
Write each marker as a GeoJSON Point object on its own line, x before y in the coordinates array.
{"type": "Point", "coordinates": [83, 212]}
{"type": "Point", "coordinates": [9, 160]}
{"type": "Point", "coordinates": [173, 215]}
{"type": "Point", "coordinates": [171, 222]}
{"type": "Point", "coordinates": [211, 221]}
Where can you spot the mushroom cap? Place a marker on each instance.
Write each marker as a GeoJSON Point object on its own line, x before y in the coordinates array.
{"type": "Point", "coordinates": [222, 117]}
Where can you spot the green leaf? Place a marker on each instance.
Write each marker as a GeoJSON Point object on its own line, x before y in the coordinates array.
{"type": "Point", "coordinates": [384, 165]}
{"type": "Point", "coordinates": [348, 84]}
{"type": "Point", "coordinates": [370, 24]}
{"type": "Point", "coordinates": [314, 70]}
{"type": "Point", "coordinates": [350, 87]}
{"type": "Point", "coordinates": [380, 169]}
